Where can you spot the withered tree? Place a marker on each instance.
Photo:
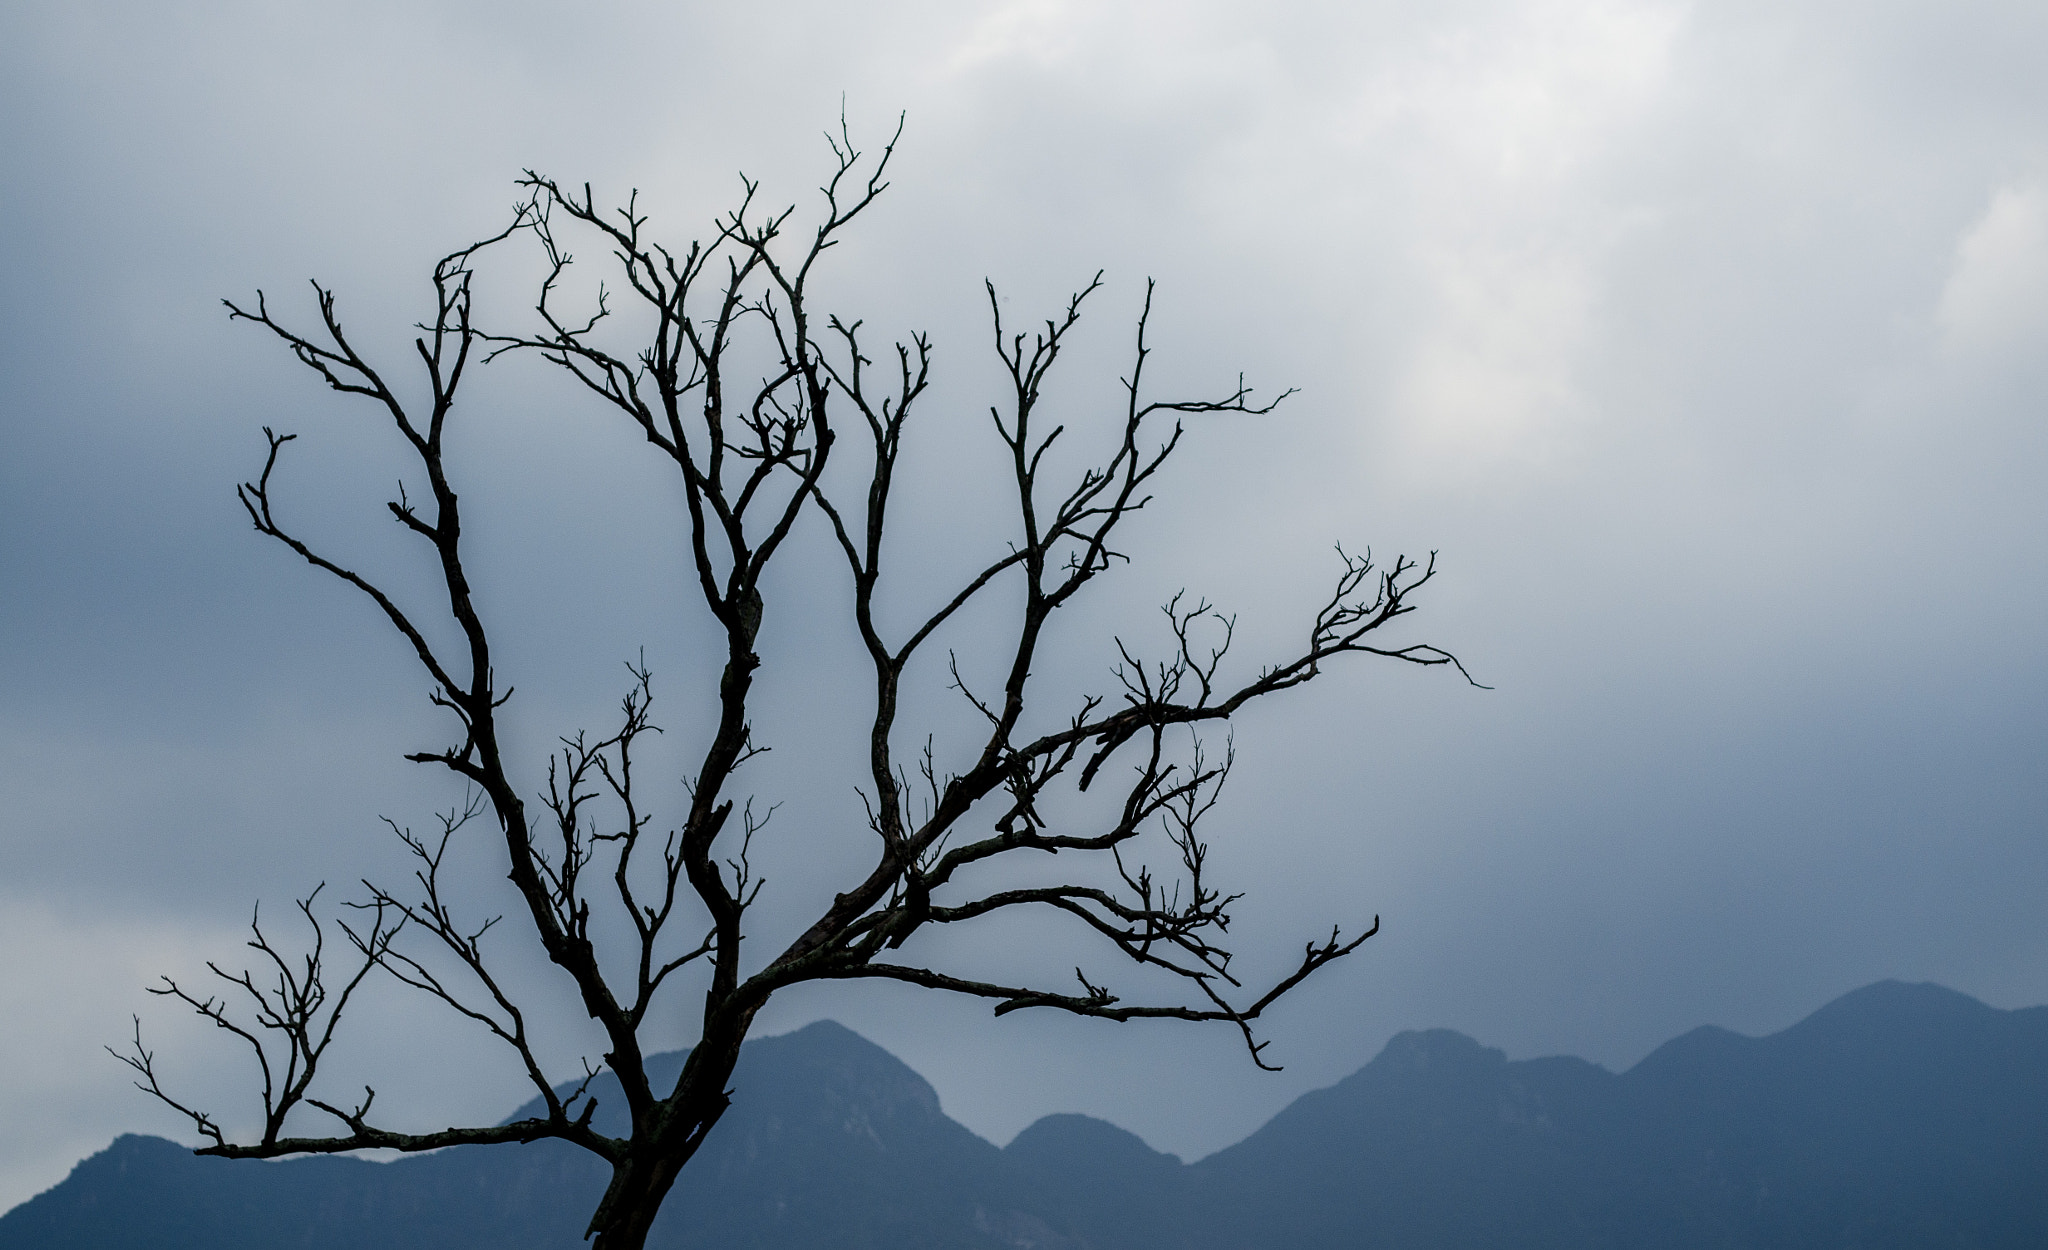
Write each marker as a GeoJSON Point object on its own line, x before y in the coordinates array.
{"type": "Point", "coordinates": [807, 443]}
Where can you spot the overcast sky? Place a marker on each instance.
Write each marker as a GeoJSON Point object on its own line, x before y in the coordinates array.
{"type": "Point", "coordinates": [1705, 342]}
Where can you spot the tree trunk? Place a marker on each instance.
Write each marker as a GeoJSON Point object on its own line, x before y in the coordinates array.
{"type": "Point", "coordinates": [643, 1178]}
{"type": "Point", "coordinates": [633, 1200]}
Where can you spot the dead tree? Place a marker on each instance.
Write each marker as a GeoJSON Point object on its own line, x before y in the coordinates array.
{"type": "Point", "coordinates": [757, 451]}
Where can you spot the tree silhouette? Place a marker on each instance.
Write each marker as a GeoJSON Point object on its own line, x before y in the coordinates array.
{"type": "Point", "coordinates": [755, 451]}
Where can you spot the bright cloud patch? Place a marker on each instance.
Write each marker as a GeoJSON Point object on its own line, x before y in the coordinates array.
{"type": "Point", "coordinates": [1997, 297]}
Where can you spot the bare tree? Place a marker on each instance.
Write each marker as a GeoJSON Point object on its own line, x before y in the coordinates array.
{"type": "Point", "coordinates": [756, 451]}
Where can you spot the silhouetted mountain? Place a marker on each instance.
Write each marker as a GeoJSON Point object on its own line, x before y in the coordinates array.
{"type": "Point", "coordinates": [1096, 1181]}
{"type": "Point", "coordinates": [831, 1140]}
{"type": "Point", "coordinates": [1437, 1142]}
{"type": "Point", "coordinates": [1899, 1115]}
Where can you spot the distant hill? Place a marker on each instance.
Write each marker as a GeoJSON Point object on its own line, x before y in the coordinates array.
{"type": "Point", "coordinates": [1896, 1116]}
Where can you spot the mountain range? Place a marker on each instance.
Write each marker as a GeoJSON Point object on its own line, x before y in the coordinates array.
{"type": "Point", "coordinates": [1897, 1116]}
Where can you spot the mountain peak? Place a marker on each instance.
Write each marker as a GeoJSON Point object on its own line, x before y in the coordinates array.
{"type": "Point", "coordinates": [827, 1059]}
{"type": "Point", "coordinates": [1892, 1003]}
{"type": "Point", "coordinates": [1064, 1138]}
{"type": "Point", "coordinates": [1435, 1050]}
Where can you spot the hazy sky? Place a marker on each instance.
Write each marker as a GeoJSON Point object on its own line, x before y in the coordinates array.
{"type": "Point", "coordinates": [1704, 341]}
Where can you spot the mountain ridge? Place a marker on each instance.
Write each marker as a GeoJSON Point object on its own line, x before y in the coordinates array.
{"type": "Point", "coordinates": [1896, 1115]}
